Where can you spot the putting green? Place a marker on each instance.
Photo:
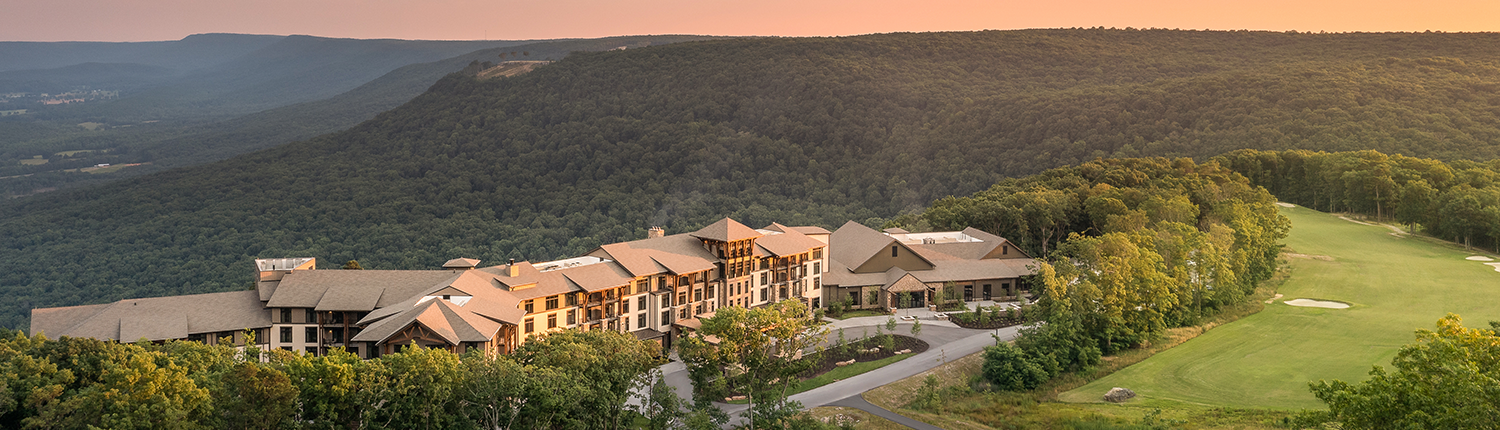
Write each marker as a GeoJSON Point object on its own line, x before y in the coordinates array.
{"type": "Point", "coordinates": [1395, 284]}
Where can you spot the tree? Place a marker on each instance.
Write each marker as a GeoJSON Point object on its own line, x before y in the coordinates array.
{"type": "Point", "coordinates": [352, 265]}
{"type": "Point", "coordinates": [337, 390]}
{"type": "Point", "coordinates": [1444, 380]}
{"type": "Point", "coordinates": [916, 328]}
{"type": "Point", "coordinates": [757, 355]}
{"type": "Point", "coordinates": [418, 388]}
{"type": "Point", "coordinates": [608, 365]}
{"type": "Point", "coordinates": [255, 396]}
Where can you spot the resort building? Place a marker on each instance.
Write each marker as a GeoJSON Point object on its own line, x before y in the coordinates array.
{"type": "Point", "coordinates": [872, 269]}
{"type": "Point", "coordinates": [654, 288]}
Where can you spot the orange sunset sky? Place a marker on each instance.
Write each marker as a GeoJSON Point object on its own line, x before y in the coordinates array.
{"type": "Point", "coordinates": [141, 20]}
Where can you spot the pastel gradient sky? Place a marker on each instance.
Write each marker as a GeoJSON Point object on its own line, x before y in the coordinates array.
{"type": "Point", "coordinates": [142, 20]}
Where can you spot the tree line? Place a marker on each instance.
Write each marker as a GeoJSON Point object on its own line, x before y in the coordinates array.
{"type": "Point", "coordinates": [1457, 200]}
{"type": "Point", "coordinates": [1128, 248]}
{"type": "Point", "coordinates": [566, 380]}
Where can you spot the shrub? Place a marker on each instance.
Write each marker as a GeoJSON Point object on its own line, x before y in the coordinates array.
{"type": "Point", "coordinates": [1009, 368]}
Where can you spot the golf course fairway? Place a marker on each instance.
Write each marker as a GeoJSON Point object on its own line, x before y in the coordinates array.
{"type": "Point", "coordinates": [1395, 284]}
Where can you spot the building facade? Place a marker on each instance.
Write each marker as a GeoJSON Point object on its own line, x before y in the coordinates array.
{"type": "Point", "coordinates": [654, 288]}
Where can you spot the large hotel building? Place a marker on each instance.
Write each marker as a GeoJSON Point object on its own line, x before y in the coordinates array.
{"type": "Point", "coordinates": [654, 288]}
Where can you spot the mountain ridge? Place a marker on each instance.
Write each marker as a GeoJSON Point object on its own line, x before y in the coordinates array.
{"type": "Point", "coordinates": [596, 147]}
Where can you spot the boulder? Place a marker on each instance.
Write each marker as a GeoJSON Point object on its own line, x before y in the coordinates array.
{"type": "Point", "coordinates": [1118, 395]}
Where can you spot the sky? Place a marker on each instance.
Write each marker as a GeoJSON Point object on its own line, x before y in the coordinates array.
{"type": "Point", "coordinates": [145, 20]}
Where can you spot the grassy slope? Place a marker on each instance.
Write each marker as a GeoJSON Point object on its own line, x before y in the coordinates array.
{"type": "Point", "coordinates": [1266, 359]}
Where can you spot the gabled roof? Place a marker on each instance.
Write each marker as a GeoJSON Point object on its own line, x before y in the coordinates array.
{"type": "Point", "coordinates": [906, 284]}
{"type": "Point", "coordinates": [678, 254]}
{"type": "Point", "coordinates": [854, 244]}
{"type": "Point", "coordinates": [158, 318]}
{"type": "Point", "coordinates": [352, 289]}
{"type": "Point", "coordinates": [598, 276]}
{"type": "Point", "coordinates": [726, 230]}
{"type": "Point", "coordinates": [453, 323]}
{"type": "Point", "coordinates": [786, 242]}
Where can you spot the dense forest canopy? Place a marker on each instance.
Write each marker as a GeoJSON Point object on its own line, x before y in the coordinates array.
{"type": "Point", "coordinates": [599, 146]}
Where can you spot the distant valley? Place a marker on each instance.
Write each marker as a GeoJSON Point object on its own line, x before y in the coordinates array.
{"type": "Point", "coordinates": [207, 97]}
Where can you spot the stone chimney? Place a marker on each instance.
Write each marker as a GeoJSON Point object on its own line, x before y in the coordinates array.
{"type": "Point", "coordinates": [514, 270]}
{"type": "Point", "coordinates": [655, 232]}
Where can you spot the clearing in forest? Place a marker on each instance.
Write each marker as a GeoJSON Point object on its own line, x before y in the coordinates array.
{"type": "Point", "coordinates": [1394, 285]}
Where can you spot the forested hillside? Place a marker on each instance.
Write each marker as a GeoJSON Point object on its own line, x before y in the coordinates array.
{"type": "Point", "coordinates": [599, 146]}
{"type": "Point", "coordinates": [173, 144]}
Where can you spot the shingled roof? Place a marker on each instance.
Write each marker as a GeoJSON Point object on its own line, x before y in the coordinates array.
{"type": "Point", "coordinates": [678, 254]}
{"type": "Point", "coordinates": [726, 230]}
{"type": "Point", "coordinates": [786, 242]}
{"type": "Point", "coordinates": [158, 318]}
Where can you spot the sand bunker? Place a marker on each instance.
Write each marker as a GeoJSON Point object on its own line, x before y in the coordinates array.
{"type": "Point", "coordinates": [1273, 299]}
{"type": "Point", "coordinates": [1310, 303]}
{"type": "Point", "coordinates": [1309, 257]}
{"type": "Point", "coordinates": [1479, 258]}
{"type": "Point", "coordinates": [1494, 265]}
{"type": "Point", "coordinates": [1285, 205]}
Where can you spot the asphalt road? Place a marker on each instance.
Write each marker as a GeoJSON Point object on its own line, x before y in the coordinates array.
{"type": "Point", "coordinates": [945, 342]}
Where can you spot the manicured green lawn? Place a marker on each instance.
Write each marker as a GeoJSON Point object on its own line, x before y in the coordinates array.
{"type": "Point", "coordinates": [860, 313]}
{"type": "Point", "coordinates": [1396, 285]}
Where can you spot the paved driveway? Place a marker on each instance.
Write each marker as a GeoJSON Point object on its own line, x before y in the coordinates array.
{"type": "Point", "coordinates": [945, 340]}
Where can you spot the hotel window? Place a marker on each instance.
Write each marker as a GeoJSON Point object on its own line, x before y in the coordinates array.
{"type": "Point", "coordinates": [312, 350]}
{"type": "Point", "coordinates": [763, 294]}
{"type": "Point", "coordinates": [625, 306]}
{"type": "Point", "coordinates": [530, 325]}
{"type": "Point", "coordinates": [763, 278]}
{"type": "Point", "coordinates": [311, 335]}
{"type": "Point", "coordinates": [682, 280]}
{"type": "Point", "coordinates": [640, 303]}
{"type": "Point", "coordinates": [698, 295]}
{"type": "Point", "coordinates": [640, 322]}
{"type": "Point", "coordinates": [286, 335]}
{"type": "Point", "coordinates": [527, 305]}
{"type": "Point", "coordinates": [552, 303]}
{"type": "Point", "coordinates": [572, 318]}
{"type": "Point", "coordinates": [642, 285]}
{"type": "Point", "coordinates": [682, 314]}
{"type": "Point", "coordinates": [312, 316]}
{"type": "Point", "coordinates": [682, 297]}
{"type": "Point", "coordinates": [1004, 249]}
{"type": "Point", "coordinates": [817, 267]}
{"type": "Point", "coordinates": [698, 309]}
{"type": "Point", "coordinates": [572, 299]}
{"type": "Point", "coordinates": [551, 321]}
{"type": "Point", "coordinates": [817, 283]}
{"type": "Point", "coordinates": [818, 254]}
{"type": "Point", "coordinates": [286, 315]}
{"type": "Point", "coordinates": [893, 250]}
{"type": "Point", "coordinates": [711, 292]}
{"type": "Point", "coordinates": [666, 317]}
